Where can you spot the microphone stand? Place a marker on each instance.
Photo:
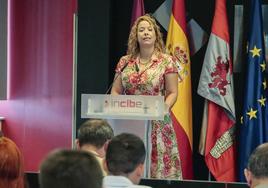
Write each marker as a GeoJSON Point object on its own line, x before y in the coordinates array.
{"type": "Point", "coordinates": [115, 78]}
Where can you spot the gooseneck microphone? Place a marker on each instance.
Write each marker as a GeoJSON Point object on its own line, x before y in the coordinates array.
{"type": "Point", "coordinates": [115, 78]}
{"type": "Point", "coordinates": [137, 68]}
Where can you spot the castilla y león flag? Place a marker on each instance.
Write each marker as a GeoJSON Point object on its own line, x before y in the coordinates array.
{"type": "Point", "coordinates": [216, 86]}
{"type": "Point", "coordinates": [181, 112]}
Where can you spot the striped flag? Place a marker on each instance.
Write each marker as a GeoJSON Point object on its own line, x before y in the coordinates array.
{"type": "Point", "coordinates": [254, 121]}
{"type": "Point", "coordinates": [181, 113]}
{"type": "Point", "coordinates": [137, 10]}
{"type": "Point", "coordinates": [216, 86]}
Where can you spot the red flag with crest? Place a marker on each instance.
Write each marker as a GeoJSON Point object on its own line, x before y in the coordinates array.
{"type": "Point", "coordinates": [216, 86]}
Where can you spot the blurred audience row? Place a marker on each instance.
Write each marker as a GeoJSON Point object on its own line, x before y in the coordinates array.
{"type": "Point", "coordinates": [89, 166]}
{"type": "Point", "coordinates": [101, 160]}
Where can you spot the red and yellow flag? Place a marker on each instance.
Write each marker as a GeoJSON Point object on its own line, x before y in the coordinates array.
{"type": "Point", "coordinates": [177, 45]}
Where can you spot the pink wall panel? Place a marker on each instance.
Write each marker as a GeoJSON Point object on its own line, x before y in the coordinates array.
{"type": "Point", "coordinates": [38, 113]}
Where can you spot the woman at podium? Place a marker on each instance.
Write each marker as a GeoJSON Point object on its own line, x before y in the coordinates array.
{"type": "Point", "coordinates": [147, 70]}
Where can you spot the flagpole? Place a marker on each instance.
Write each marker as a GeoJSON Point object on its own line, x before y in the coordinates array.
{"type": "Point", "coordinates": [209, 176]}
{"type": "Point", "coordinates": [147, 136]}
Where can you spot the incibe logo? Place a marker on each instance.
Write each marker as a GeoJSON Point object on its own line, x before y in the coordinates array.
{"type": "Point", "coordinates": [127, 103]}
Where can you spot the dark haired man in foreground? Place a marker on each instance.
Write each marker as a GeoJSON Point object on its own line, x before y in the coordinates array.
{"type": "Point", "coordinates": [70, 168]}
{"type": "Point", "coordinates": [125, 161]}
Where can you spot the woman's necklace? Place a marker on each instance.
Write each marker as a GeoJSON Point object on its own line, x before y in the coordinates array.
{"type": "Point", "coordinates": [144, 64]}
{"type": "Point", "coordinates": [144, 61]}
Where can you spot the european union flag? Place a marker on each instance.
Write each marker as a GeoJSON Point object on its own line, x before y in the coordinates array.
{"type": "Point", "coordinates": [254, 121]}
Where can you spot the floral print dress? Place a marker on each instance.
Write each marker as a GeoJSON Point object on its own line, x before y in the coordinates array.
{"type": "Point", "coordinates": [165, 160]}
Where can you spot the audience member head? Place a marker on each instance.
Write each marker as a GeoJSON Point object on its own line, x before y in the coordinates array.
{"type": "Point", "coordinates": [11, 164]}
{"type": "Point", "coordinates": [94, 134]}
{"type": "Point", "coordinates": [70, 168]}
{"type": "Point", "coordinates": [125, 157]}
{"type": "Point", "coordinates": [257, 171]}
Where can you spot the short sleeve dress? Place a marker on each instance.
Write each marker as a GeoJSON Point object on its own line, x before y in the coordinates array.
{"type": "Point", "coordinates": [165, 161]}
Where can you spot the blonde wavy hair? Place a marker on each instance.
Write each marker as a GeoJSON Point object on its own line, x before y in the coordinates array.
{"type": "Point", "coordinates": [133, 45]}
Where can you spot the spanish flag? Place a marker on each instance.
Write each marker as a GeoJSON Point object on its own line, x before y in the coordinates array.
{"type": "Point", "coordinates": [181, 113]}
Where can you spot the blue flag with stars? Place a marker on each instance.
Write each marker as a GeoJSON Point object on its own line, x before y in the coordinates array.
{"type": "Point", "coordinates": [254, 120]}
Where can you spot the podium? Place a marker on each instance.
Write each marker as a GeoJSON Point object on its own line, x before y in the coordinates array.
{"type": "Point", "coordinates": [126, 113]}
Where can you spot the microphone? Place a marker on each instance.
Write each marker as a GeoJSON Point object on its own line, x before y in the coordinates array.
{"type": "Point", "coordinates": [137, 68]}
{"type": "Point", "coordinates": [115, 78]}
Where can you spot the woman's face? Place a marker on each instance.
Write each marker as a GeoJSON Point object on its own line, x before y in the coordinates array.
{"type": "Point", "coordinates": [146, 34]}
